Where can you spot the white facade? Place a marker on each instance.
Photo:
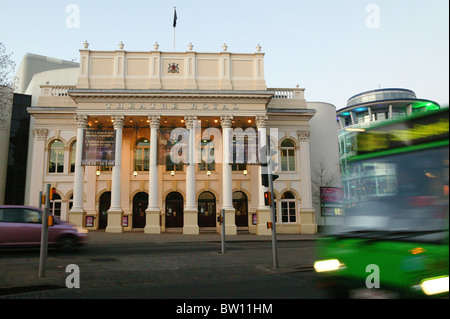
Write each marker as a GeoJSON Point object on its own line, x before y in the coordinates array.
{"type": "Point", "coordinates": [157, 91]}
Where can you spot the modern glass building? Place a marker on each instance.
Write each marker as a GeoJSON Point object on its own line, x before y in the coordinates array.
{"type": "Point", "coordinates": [363, 110]}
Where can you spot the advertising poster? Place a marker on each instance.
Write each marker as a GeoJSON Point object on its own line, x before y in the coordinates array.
{"type": "Point", "coordinates": [331, 201]}
{"type": "Point", "coordinates": [98, 148]}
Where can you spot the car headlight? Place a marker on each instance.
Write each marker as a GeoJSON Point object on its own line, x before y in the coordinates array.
{"type": "Point", "coordinates": [327, 265]}
{"type": "Point", "coordinates": [81, 230]}
{"type": "Point", "coordinates": [436, 285]}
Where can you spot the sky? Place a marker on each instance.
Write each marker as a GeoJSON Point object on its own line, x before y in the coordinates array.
{"type": "Point", "coordinates": [333, 49]}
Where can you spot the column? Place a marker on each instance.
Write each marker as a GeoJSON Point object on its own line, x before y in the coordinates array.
{"type": "Point", "coordinates": [190, 214]}
{"type": "Point", "coordinates": [263, 211]}
{"type": "Point", "coordinates": [353, 117]}
{"type": "Point", "coordinates": [307, 213]}
{"type": "Point", "coordinates": [409, 110]}
{"type": "Point", "coordinates": [152, 214]}
{"type": "Point", "coordinates": [227, 182]}
{"type": "Point", "coordinates": [115, 211]}
{"type": "Point", "coordinates": [77, 213]}
{"type": "Point", "coordinates": [37, 166]}
{"type": "Point", "coordinates": [369, 109]}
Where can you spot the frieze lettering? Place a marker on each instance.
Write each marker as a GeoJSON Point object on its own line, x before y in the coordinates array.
{"type": "Point", "coordinates": [170, 106]}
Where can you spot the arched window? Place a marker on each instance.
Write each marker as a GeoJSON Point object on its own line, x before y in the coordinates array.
{"type": "Point", "coordinates": [73, 151]}
{"type": "Point", "coordinates": [56, 157]}
{"type": "Point", "coordinates": [142, 155]}
{"type": "Point", "coordinates": [288, 208]}
{"type": "Point", "coordinates": [71, 202]}
{"type": "Point", "coordinates": [287, 156]}
{"type": "Point", "coordinates": [55, 205]}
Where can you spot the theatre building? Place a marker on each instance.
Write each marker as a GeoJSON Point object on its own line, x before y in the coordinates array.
{"type": "Point", "coordinates": [118, 143]}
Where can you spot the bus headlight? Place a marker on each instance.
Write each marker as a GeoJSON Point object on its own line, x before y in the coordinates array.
{"type": "Point", "coordinates": [327, 265]}
{"type": "Point", "coordinates": [436, 285]}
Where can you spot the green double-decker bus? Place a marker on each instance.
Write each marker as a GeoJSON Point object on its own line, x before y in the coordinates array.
{"type": "Point", "coordinates": [394, 241]}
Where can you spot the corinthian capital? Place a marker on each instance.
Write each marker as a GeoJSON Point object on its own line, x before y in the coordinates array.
{"type": "Point", "coordinates": [154, 121]}
{"type": "Point", "coordinates": [118, 120]}
{"type": "Point", "coordinates": [190, 121]}
{"type": "Point", "coordinates": [226, 120]}
{"type": "Point", "coordinates": [81, 120]}
{"type": "Point", "coordinates": [261, 121]}
{"type": "Point", "coordinates": [41, 134]}
{"type": "Point", "coordinates": [303, 135]}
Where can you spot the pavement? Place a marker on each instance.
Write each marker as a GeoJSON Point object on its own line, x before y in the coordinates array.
{"type": "Point", "coordinates": [19, 270]}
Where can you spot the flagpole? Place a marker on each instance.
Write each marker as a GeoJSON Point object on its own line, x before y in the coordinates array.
{"type": "Point", "coordinates": [174, 25]}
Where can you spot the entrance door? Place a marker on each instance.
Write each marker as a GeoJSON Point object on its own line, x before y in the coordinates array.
{"type": "Point", "coordinates": [140, 204]}
{"type": "Point", "coordinates": [174, 210]}
{"type": "Point", "coordinates": [240, 204]}
{"type": "Point", "coordinates": [103, 207]}
{"type": "Point", "coordinates": [207, 210]}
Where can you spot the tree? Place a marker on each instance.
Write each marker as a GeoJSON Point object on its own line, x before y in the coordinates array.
{"type": "Point", "coordinates": [7, 67]}
{"type": "Point", "coordinates": [320, 177]}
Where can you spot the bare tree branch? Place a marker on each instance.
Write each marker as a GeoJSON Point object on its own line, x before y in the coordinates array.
{"type": "Point", "coordinates": [320, 177]}
{"type": "Point", "coordinates": [7, 67]}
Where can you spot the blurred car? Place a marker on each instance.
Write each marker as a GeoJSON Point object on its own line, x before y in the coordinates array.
{"type": "Point", "coordinates": [21, 226]}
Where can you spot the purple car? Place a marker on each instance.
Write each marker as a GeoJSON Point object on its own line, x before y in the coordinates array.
{"type": "Point", "coordinates": [21, 226]}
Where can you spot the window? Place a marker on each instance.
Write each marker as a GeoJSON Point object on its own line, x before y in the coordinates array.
{"type": "Point", "coordinates": [106, 168]}
{"type": "Point", "coordinates": [239, 160]}
{"type": "Point", "coordinates": [71, 202]}
{"type": "Point", "coordinates": [170, 165]}
{"type": "Point", "coordinates": [207, 152]}
{"type": "Point", "coordinates": [55, 205]}
{"type": "Point", "coordinates": [73, 151]}
{"type": "Point", "coordinates": [31, 216]}
{"type": "Point", "coordinates": [287, 156]}
{"type": "Point", "coordinates": [288, 211]}
{"type": "Point", "coordinates": [142, 155]}
{"type": "Point", "coordinates": [56, 157]}
{"type": "Point", "coordinates": [19, 215]}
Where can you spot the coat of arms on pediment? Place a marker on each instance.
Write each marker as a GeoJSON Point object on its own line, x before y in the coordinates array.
{"type": "Point", "coordinates": [173, 68]}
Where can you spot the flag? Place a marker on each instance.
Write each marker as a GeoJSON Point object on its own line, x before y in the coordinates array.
{"type": "Point", "coordinates": [175, 17]}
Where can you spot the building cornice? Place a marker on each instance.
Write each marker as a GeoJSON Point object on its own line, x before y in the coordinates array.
{"type": "Point", "coordinates": [85, 95]}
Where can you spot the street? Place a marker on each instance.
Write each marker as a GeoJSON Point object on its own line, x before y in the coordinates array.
{"type": "Point", "coordinates": [173, 270]}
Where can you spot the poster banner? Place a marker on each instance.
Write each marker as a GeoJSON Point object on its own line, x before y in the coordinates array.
{"type": "Point", "coordinates": [98, 148]}
{"type": "Point", "coordinates": [331, 201]}
{"type": "Point", "coordinates": [174, 150]}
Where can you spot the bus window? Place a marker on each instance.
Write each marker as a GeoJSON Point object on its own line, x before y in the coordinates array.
{"type": "Point", "coordinates": [412, 196]}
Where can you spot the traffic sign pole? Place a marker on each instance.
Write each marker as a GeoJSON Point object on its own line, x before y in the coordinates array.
{"type": "Point", "coordinates": [44, 234]}
{"type": "Point", "coordinates": [223, 231]}
{"type": "Point", "coordinates": [272, 206]}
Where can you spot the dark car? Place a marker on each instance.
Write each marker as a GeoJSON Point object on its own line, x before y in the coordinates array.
{"type": "Point", "coordinates": [21, 226]}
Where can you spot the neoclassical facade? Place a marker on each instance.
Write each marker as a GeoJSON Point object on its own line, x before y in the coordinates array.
{"type": "Point", "coordinates": [213, 99]}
